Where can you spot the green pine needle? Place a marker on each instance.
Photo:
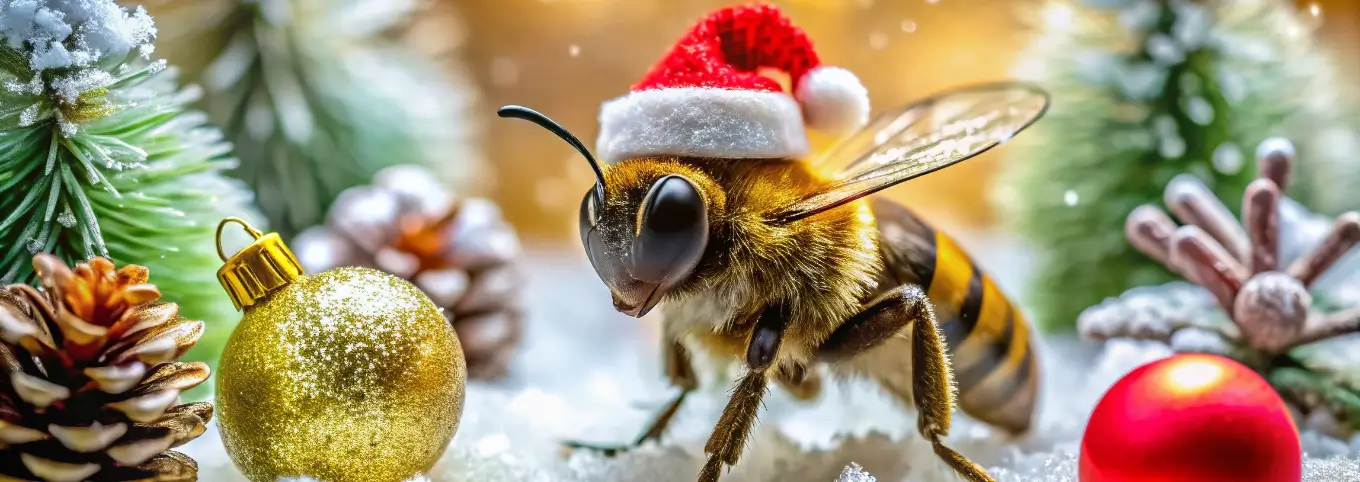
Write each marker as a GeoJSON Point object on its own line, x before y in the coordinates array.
{"type": "Point", "coordinates": [127, 171]}
{"type": "Point", "coordinates": [315, 99]}
{"type": "Point", "coordinates": [1110, 144]}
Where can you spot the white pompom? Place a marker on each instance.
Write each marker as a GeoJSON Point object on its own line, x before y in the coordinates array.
{"type": "Point", "coordinates": [833, 100]}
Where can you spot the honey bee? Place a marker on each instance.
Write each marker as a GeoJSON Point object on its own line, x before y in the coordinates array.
{"type": "Point", "coordinates": [786, 267]}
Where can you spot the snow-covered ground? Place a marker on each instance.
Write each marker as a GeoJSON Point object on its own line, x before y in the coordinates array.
{"type": "Point", "coordinates": [588, 373]}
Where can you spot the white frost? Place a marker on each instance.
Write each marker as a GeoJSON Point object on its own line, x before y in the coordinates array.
{"type": "Point", "coordinates": [77, 39]}
{"type": "Point", "coordinates": [1228, 158]}
{"type": "Point", "coordinates": [73, 33]}
{"type": "Point", "coordinates": [855, 473]}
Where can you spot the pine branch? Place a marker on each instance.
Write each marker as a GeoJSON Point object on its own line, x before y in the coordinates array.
{"type": "Point", "coordinates": [1146, 90]}
{"type": "Point", "coordinates": [316, 99]}
{"type": "Point", "coordinates": [100, 155]}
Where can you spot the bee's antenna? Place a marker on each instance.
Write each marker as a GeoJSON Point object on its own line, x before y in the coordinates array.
{"type": "Point", "coordinates": [520, 112]}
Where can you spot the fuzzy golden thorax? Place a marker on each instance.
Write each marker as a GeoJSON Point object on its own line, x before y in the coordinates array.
{"type": "Point", "coordinates": [820, 268]}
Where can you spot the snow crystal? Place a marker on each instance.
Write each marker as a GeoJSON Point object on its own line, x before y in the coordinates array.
{"type": "Point", "coordinates": [28, 116]}
{"type": "Point", "coordinates": [34, 245]}
{"type": "Point", "coordinates": [69, 87]}
{"type": "Point", "coordinates": [1164, 50]}
{"type": "Point", "coordinates": [1140, 16]}
{"type": "Point", "coordinates": [67, 219]}
{"type": "Point", "coordinates": [1193, 22]}
{"type": "Point", "coordinates": [1093, 65]}
{"type": "Point", "coordinates": [1232, 84]}
{"type": "Point", "coordinates": [1199, 340]}
{"type": "Point", "coordinates": [1199, 110]}
{"type": "Point", "coordinates": [855, 473]}
{"type": "Point", "coordinates": [1070, 198]}
{"type": "Point", "coordinates": [1109, 4]}
{"type": "Point", "coordinates": [75, 37]}
{"type": "Point", "coordinates": [1141, 81]}
{"type": "Point", "coordinates": [1170, 144]}
{"type": "Point", "coordinates": [1228, 158]}
{"type": "Point", "coordinates": [32, 87]}
{"type": "Point", "coordinates": [73, 33]}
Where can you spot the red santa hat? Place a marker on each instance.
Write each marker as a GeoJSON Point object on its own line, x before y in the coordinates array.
{"type": "Point", "coordinates": [706, 99]}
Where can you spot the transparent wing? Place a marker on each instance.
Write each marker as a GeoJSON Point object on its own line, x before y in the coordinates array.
{"type": "Point", "coordinates": [921, 138]}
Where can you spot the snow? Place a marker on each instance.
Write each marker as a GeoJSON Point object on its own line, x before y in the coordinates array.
{"type": "Point", "coordinates": [588, 373]}
{"type": "Point", "coordinates": [855, 473]}
{"type": "Point", "coordinates": [1164, 50]}
{"type": "Point", "coordinates": [1227, 157]}
{"type": "Point", "coordinates": [73, 33]}
{"type": "Point", "coordinates": [79, 40]}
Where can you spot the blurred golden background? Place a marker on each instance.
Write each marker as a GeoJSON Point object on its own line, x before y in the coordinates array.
{"type": "Point", "coordinates": [565, 57]}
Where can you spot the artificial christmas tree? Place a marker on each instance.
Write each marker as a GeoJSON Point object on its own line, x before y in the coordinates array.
{"type": "Point", "coordinates": [316, 99]}
{"type": "Point", "coordinates": [100, 155]}
{"type": "Point", "coordinates": [89, 385]}
{"type": "Point", "coordinates": [1149, 89]}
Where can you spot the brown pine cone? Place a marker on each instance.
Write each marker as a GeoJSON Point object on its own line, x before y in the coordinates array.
{"type": "Point", "coordinates": [89, 385]}
{"type": "Point", "coordinates": [459, 251]}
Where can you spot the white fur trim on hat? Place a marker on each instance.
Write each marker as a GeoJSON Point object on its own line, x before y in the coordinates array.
{"type": "Point", "coordinates": [701, 122]}
{"type": "Point", "coordinates": [833, 99]}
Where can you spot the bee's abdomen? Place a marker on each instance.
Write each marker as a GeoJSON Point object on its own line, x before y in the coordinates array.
{"type": "Point", "coordinates": [988, 338]}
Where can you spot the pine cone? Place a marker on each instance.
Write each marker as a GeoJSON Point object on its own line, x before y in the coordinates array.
{"type": "Point", "coordinates": [89, 384]}
{"type": "Point", "coordinates": [459, 251]}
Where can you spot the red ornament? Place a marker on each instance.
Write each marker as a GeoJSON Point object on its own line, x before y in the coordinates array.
{"type": "Point", "coordinates": [1191, 417]}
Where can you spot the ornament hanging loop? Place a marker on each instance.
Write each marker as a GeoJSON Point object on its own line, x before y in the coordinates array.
{"type": "Point", "coordinates": [254, 233]}
{"type": "Point", "coordinates": [261, 268]}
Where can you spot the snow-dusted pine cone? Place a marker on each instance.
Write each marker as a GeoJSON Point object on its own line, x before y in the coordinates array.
{"type": "Point", "coordinates": [459, 251]}
{"type": "Point", "coordinates": [89, 384]}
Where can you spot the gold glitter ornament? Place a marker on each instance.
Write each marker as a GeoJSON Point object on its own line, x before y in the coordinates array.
{"type": "Point", "coordinates": [348, 375]}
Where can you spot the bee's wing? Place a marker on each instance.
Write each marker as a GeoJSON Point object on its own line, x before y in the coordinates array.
{"type": "Point", "coordinates": [921, 138]}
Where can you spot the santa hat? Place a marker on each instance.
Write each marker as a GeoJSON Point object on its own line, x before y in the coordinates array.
{"type": "Point", "coordinates": [706, 99]}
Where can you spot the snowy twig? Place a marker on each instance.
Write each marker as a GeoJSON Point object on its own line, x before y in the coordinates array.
{"type": "Point", "coordinates": [1238, 263]}
{"type": "Point", "coordinates": [1345, 233]}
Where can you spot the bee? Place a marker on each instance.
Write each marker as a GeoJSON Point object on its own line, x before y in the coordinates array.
{"type": "Point", "coordinates": [788, 267]}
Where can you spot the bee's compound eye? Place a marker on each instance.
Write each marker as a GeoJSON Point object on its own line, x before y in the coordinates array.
{"type": "Point", "coordinates": [590, 213]}
{"type": "Point", "coordinates": [672, 231]}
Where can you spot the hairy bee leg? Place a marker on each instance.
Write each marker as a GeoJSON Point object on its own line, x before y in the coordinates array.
{"type": "Point", "coordinates": [932, 378]}
{"type": "Point", "coordinates": [680, 371]}
{"type": "Point", "coordinates": [725, 445]}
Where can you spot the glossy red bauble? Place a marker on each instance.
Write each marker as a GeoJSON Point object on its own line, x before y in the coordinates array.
{"type": "Point", "coordinates": [1191, 417]}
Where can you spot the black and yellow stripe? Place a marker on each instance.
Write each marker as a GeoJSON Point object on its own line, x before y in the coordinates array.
{"type": "Point", "coordinates": [987, 337]}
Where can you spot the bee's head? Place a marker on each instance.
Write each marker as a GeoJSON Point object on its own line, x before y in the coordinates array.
{"type": "Point", "coordinates": [651, 230]}
{"type": "Point", "coordinates": [645, 226]}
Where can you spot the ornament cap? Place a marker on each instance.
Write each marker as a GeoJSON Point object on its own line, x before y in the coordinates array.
{"type": "Point", "coordinates": [258, 269]}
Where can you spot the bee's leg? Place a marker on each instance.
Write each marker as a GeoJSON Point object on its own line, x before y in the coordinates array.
{"type": "Point", "coordinates": [803, 383]}
{"type": "Point", "coordinates": [680, 371]}
{"type": "Point", "coordinates": [932, 380]}
{"type": "Point", "coordinates": [729, 436]}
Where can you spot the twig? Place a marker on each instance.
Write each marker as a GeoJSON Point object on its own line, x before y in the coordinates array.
{"type": "Point", "coordinates": [1345, 234]}
{"type": "Point", "coordinates": [1274, 161]}
{"type": "Point", "coordinates": [1321, 327]}
{"type": "Point", "coordinates": [1194, 251]}
{"type": "Point", "coordinates": [1262, 220]}
{"type": "Point", "coordinates": [1149, 230]}
{"type": "Point", "coordinates": [1191, 201]}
